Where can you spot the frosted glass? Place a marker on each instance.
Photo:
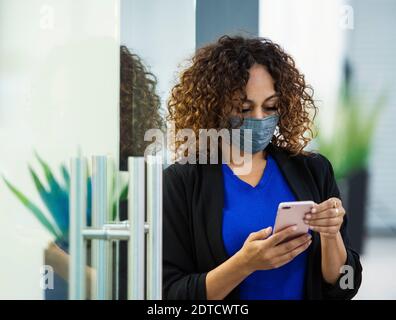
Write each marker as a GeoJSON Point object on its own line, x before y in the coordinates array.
{"type": "Point", "coordinates": [59, 88]}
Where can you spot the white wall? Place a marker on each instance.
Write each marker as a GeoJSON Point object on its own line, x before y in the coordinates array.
{"type": "Point", "coordinates": [311, 32]}
{"type": "Point", "coordinates": [162, 33]}
{"type": "Point", "coordinates": [59, 86]}
{"type": "Point", "coordinates": [372, 50]}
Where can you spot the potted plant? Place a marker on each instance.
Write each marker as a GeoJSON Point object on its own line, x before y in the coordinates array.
{"type": "Point", "coordinates": [348, 149]}
{"type": "Point", "coordinates": [55, 196]}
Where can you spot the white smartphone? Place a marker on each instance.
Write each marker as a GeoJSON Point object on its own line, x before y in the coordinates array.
{"type": "Point", "coordinates": [292, 213]}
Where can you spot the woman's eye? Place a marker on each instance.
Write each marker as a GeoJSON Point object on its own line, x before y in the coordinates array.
{"type": "Point", "coordinates": [245, 108]}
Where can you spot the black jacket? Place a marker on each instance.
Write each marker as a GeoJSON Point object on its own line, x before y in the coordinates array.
{"type": "Point", "coordinates": [192, 229]}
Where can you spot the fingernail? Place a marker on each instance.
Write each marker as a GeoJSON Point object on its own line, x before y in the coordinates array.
{"type": "Point", "coordinates": [311, 227]}
{"type": "Point", "coordinates": [313, 210]}
{"type": "Point", "coordinates": [294, 228]}
{"type": "Point", "coordinates": [308, 216]}
{"type": "Point", "coordinates": [269, 229]}
{"type": "Point", "coordinates": [306, 221]}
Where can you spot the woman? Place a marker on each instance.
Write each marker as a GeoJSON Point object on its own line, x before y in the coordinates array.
{"type": "Point", "coordinates": [218, 239]}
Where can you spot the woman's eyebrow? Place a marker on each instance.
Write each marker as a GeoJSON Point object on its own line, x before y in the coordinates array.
{"type": "Point", "coordinates": [275, 95]}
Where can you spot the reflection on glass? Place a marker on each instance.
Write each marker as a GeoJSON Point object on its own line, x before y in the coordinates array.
{"type": "Point", "coordinates": [139, 106]}
{"type": "Point", "coordinates": [139, 111]}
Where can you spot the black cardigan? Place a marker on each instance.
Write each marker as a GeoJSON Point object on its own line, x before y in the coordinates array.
{"type": "Point", "coordinates": [192, 225]}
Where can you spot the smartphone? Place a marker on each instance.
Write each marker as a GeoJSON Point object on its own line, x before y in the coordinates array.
{"type": "Point", "coordinates": [292, 213]}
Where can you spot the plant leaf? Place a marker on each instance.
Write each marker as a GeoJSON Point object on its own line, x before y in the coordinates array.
{"type": "Point", "coordinates": [57, 203]}
{"type": "Point", "coordinates": [34, 209]}
{"type": "Point", "coordinates": [66, 177]}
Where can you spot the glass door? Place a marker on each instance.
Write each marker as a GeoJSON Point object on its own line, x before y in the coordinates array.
{"type": "Point", "coordinates": [59, 100]}
{"type": "Point", "coordinates": [82, 83]}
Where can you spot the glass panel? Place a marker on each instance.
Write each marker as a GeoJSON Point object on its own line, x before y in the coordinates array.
{"type": "Point", "coordinates": [151, 51]}
{"type": "Point", "coordinates": [59, 91]}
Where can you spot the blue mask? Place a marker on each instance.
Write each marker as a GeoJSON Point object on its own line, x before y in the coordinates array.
{"type": "Point", "coordinates": [262, 132]}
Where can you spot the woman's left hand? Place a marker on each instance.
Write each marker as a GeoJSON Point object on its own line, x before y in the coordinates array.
{"type": "Point", "coordinates": [326, 217]}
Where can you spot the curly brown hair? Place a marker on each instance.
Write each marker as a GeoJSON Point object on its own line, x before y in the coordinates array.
{"type": "Point", "coordinates": [214, 83]}
{"type": "Point", "coordinates": [139, 105]}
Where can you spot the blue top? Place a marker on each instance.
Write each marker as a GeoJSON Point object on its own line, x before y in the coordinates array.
{"type": "Point", "coordinates": [248, 209]}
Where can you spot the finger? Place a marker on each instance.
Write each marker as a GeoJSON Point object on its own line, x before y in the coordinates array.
{"type": "Point", "coordinates": [289, 256]}
{"type": "Point", "coordinates": [332, 230]}
{"type": "Point", "coordinates": [278, 237]}
{"type": "Point", "coordinates": [325, 222]}
{"type": "Point", "coordinates": [260, 235]}
{"type": "Point", "coordinates": [328, 204]}
{"type": "Point", "coordinates": [292, 244]}
{"type": "Point", "coordinates": [330, 213]}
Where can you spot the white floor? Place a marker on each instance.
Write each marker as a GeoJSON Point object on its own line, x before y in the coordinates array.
{"type": "Point", "coordinates": [379, 269]}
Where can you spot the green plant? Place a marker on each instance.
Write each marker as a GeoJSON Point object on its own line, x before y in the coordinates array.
{"type": "Point", "coordinates": [55, 197]}
{"type": "Point", "coordinates": [349, 146]}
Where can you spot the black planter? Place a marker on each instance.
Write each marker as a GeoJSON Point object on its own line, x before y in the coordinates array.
{"type": "Point", "coordinates": [354, 192]}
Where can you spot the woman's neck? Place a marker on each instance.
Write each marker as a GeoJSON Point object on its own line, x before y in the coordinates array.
{"type": "Point", "coordinates": [251, 163]}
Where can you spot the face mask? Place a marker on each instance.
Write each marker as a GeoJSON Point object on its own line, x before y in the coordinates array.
{"type": "Point", "coordinates": [262, 132]}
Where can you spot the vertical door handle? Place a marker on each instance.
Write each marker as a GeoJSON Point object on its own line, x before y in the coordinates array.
{"type": "Point", "coordinates": [77, 214]}
{"type": "Point", "coordinates": [136, 217]}
{"type": "Point", "coordinates": [154, 220]}
{"type": "Point", "coordinates": [101, 263]}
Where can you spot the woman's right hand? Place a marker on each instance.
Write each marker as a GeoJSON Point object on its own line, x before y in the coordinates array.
{"type": "Point", "coordinates": [263, 251]}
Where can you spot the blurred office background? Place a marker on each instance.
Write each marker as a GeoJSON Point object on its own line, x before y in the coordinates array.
{"type": "Point", "coordinates": [60, 96]}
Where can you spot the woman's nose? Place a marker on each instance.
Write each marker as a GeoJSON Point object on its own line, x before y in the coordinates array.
{"type": "Point", "coordinates": [257, 113]}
